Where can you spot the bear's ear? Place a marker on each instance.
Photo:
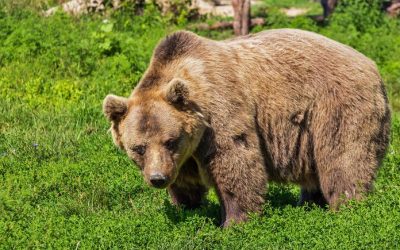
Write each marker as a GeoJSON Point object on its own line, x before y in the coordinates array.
{"type": "Point", "coordinates": [177, 92]}
{"type": "Point", "coordinates": [115, 107]}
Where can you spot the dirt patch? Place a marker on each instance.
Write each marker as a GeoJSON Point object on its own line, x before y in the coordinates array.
{"type": "Point", "coordinates": [292, 12]}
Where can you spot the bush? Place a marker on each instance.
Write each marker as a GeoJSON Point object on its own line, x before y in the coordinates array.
{"type": "Point", "coordinates": [360, 15]}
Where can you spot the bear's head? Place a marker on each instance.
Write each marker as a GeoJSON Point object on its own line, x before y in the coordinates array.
{"type": "Point", "coordinates": [159, 129]}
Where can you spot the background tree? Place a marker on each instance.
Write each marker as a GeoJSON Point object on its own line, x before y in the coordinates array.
{"type": "Point", "coordinates": [394, 8]}
{"type": "Point", "coordinates": [242, 20]}
{"type": "Point", "coordinates": [328, 6]}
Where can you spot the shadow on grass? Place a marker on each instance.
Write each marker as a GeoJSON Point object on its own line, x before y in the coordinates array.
{"type": "Point", "coordinates": [208, 210]}
{"type": "Point", "coordinates": [281, 196]}
{"type": "Point", "coordinates": [278, 196]}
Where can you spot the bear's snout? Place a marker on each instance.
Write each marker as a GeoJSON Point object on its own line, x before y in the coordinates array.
{"type": "Point", "coordinates": [158, 180]}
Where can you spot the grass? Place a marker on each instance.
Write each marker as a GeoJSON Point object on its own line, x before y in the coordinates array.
{"type": "Point", "coordinates": [312, 7]}
{"type": "Point", "coordinates": [64, 185]}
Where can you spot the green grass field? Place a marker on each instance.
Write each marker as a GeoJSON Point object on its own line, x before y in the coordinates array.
{"type": "Point", "coordinates": [63, 184]}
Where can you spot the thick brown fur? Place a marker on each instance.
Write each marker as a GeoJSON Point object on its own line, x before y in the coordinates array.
{"type": "Point", "coordinates": [281, 105]}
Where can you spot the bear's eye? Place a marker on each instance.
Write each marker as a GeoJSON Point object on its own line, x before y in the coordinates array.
{"type": "Point", "coordinates": [139, 149]}
{"type": "Point", "coordinates": [171, 144]}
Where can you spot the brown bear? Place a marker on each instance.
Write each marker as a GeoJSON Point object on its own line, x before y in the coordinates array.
{"type": "Point", "coordinates": [285, 105]}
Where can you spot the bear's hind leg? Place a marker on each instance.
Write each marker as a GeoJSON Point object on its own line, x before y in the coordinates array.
{"type": "Point", "coordinates": [349, 144]}
{"type": "Point", "coordinates": [339, 186]}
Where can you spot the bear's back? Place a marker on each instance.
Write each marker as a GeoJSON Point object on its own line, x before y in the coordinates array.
{"type": "Point", "coordinates": [306, 57]}
{"type": "Point", "coordinates": [290, 66]}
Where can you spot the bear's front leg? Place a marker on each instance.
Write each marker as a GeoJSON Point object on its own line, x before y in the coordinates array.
{"type": "Point", "coordinates": [189, 196]}
{"type": "Point", "coordinates": [240, 180]}
{"type": "Point", "coordinates": [311, 197]}
{"type": "Point", "coordinates": [188, 190]}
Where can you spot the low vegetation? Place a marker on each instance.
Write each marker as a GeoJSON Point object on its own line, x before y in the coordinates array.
{"type": "Point", "coordinates": [64, 185]}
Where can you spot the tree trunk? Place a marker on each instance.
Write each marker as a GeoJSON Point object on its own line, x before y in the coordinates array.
{"type": "Point", "coordinates": [328, 6]}
{"type": "Point", "coordinates": [394, 8]}
{"type": "Point", "coordinates": [139, 7]}
{"type": "Point", "coordinates": [241, 15]}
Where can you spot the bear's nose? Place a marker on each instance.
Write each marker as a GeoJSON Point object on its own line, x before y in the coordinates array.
{"type": "Point", "coordinates": [158, 180]}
